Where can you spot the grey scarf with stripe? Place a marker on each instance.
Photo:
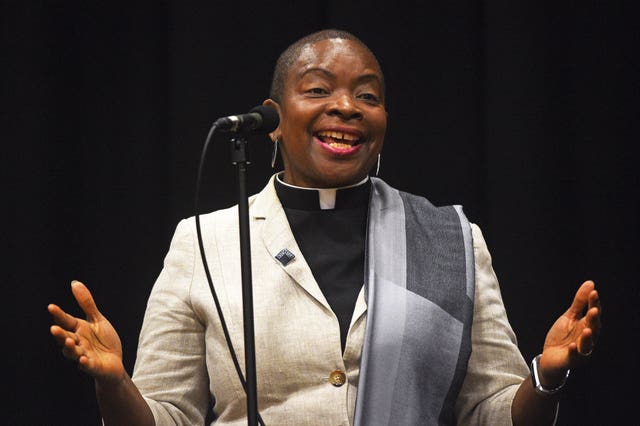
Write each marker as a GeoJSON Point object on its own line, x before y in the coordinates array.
{"type": "Point", "coordinates": [419, 280]}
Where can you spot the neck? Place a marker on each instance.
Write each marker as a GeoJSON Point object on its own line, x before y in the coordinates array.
{"type": "Point", "coordinates": [326, 196]}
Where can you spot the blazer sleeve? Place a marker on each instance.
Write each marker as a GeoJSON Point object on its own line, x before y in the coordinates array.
{"type": "Point", "coordinates": [170, 368]}
{"type": "Point", "coordinates": [496, 367]}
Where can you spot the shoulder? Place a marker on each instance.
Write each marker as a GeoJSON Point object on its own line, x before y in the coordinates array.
{"type": "Point", "coordinates": [480, 248]}
{"type": "Point", "coordinates": [478, 237]}
{"type": "Point", "coordinates": [411, 202]}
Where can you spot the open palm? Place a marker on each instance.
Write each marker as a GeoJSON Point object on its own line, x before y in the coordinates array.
{"type": "Point", "coordinates": [93, 343]}
{"type": "Point", "coordinates": [574, 334]}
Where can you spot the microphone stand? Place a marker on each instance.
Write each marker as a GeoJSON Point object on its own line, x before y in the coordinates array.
{"type": "Point", "coordinates": [239, 159]}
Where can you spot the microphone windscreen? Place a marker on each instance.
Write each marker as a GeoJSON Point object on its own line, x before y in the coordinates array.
{"type": "Point", "coordinates": [270, 118]}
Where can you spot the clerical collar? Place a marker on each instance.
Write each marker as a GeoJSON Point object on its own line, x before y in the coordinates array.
{"type": "Point", "coordinates": [296, 197]}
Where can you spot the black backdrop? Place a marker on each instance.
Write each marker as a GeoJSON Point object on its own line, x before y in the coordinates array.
{"type": "Point", "coordinates": [524, 113]}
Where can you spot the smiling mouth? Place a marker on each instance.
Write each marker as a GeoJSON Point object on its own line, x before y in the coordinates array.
{"type": "Point", "coordinates": [338, 140]}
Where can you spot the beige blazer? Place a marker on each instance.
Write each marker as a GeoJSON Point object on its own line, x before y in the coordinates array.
{"type": "Point", "coordinates": [183, 364]}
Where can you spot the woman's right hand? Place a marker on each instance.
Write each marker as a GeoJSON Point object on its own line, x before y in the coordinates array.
{"type": "Point", "coordinates": [93, 343]}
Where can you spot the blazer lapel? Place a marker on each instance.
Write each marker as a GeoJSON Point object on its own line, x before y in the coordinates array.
{"type": "Point", "coordinates": [276, 235]}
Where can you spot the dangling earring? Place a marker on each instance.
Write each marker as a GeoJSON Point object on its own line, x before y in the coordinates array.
{"type": "Point", "coordinates": [274, 154]}
{"type": "Point", "coordinates": [378, 165]}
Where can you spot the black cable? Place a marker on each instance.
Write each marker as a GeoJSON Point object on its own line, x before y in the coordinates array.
{"type": "Point", "coordinates": [206, 267]}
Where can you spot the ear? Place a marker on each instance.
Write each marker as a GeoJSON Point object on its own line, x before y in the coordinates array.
{"type": "Point", "coordinates": [275, 135]}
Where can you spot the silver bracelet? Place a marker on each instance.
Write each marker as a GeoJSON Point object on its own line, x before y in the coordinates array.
{"type": "Point", "coordinates": [535, 377]}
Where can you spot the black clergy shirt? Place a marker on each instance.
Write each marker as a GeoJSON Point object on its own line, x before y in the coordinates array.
{"type": "Point", "coordinates": [332, 241]}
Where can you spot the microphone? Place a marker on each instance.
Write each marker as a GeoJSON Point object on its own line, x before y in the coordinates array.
{"type": "Point", "coordinates": [261, 119]}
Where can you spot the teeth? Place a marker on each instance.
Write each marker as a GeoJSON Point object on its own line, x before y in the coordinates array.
{"type": "Point", "coordinates": [339, 145]}
{"type": "Point", "coordinates": [338, 135]}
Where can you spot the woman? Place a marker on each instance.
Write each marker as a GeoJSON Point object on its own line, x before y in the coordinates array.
{"type": "Point", "coordinates": [424, 341]}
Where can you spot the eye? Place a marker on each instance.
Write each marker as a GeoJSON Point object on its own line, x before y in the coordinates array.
{"type": "Point", "coordinates": [369, 97]}
{"type": "Point", "coordinates": [317, 91]}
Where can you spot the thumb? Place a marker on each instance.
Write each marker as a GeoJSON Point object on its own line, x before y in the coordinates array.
{"type": "Point", "coordinates": [85, 300]}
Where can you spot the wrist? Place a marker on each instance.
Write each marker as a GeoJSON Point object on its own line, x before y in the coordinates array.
{"type": "Point", "coordinates": [111, 383]}
{"type": "Point", "coordinates": [546, 385]}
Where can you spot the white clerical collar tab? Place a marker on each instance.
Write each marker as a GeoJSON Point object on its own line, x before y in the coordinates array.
{"type": "Point", "coordinates": [327, 198]}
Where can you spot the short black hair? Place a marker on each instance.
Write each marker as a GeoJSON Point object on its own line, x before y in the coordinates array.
{"type": "Point", "coordinates": [292, 53]}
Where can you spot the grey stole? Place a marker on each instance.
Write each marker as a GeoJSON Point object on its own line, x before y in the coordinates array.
{"type": "Point", "coordinates": [419, 282]}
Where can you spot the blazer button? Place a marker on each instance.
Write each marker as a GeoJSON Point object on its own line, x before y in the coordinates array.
{"type": "Point", "coordinates": [337, 378]}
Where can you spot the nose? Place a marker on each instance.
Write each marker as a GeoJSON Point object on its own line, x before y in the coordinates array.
{"type": "Point", "coordinates": [345, 107]}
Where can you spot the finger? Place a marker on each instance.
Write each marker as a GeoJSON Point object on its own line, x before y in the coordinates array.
{"type": "Point", "coordinates": [581, 299]}
{"type": "Point", "coordinates": [593, 321]}
{"type": "Point", "coordinates": [586, 342]}
{"type": "Point", "coordinates": [61, 335]}
{"type": "Point", "coordinates": [85, 300]}
{"type": "Point", "coordinates": [58, 334]}
{"type": "Point", "coordinates": [575, 358]}
{"type": "Point", "coordinates": [594, 300]}
{"type": "Point", "coordinates": [63, 319]}
{"type": "Point", "coordinates": [578, 358]}
{"type": "Point", "coordinates": [85, 364]}
{"type": "Point", "coordinates": [71, 350]}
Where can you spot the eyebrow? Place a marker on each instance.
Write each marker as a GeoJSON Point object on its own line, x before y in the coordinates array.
{"type": "Point", "coordinates": [370, 76]}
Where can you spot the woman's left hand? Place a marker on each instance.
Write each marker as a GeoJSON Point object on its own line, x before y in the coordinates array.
{"type": "Point", "coordinates": [572, 337]}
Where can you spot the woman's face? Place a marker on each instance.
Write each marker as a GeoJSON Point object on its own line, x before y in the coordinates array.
{"type": "Point", "coordinates": [332, 115]}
